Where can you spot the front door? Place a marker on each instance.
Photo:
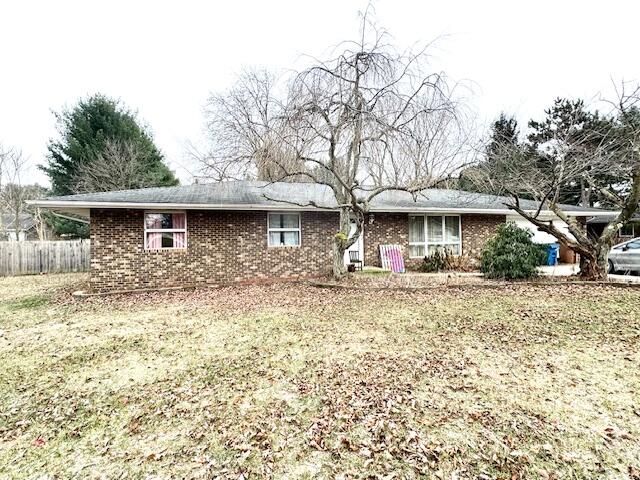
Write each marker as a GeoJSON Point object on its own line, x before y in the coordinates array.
{"type": "Point", "coordinates": [358, 246]}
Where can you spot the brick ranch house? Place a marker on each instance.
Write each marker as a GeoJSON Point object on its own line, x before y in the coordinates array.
{"type": "Point", "coordinates": [242, 231]}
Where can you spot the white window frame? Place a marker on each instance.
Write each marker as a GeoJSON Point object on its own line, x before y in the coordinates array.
{"type": "Point", "coordinates": [633, 231]}
{"type": "Point", "coordinates": [165, 230]}
{"type": "Point", "coordinates": [278, 229]}
{"type": "Point", "coordinates": [426, 243]}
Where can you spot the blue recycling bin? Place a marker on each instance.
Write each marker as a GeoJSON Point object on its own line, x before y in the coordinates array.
{"type": "Point", "coordinates": [553, 254]}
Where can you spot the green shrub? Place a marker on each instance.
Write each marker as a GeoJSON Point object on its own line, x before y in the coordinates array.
{"type": "Point", "coordinates": [510, 254]}
{"type": "Point", "coordinates": [542, 253]}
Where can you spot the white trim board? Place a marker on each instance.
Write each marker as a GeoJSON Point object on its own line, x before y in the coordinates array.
{"type": "Point", "coordinates": [83, 206]}
{"type": "Point", "coordinates": [426, 243]}
{"type": "Point", "coordinates": [279, 229]}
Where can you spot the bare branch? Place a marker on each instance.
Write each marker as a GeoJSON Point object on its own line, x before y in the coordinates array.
{"type": "Point", "coordinates": [369, 120]}
{"type": "Point", "coordinates": [573, 150]}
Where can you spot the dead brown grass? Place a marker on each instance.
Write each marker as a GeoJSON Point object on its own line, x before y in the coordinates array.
{"type": "Point", "coordinates": [288, 381]}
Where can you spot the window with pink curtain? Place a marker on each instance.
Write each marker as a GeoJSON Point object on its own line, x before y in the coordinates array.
{"type": "Point", "coordinates": [165, 230]}
{"type": "Point", "coordinates": [180, 238]}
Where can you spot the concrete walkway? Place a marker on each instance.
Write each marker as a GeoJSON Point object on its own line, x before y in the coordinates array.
{"type": "Point", "coordinates": [566, 269]}
{"type": "Point", "coordinates": [624, 278]}
{"type": "Point", "coordinates": [561, 270]}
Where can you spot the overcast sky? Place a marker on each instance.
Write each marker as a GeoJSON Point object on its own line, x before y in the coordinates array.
{"type": "Point", "coordinates": [164, 58]}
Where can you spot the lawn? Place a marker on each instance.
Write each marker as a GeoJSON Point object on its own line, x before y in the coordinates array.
{"type": "Point", "coordinates": [290, 381]}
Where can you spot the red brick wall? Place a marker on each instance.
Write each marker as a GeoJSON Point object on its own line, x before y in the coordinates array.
{"type": "Point", "coordinates": [223, 246]}
{"type": "Point", "coordinates": [229, 246]}
{"type": "Point", "coordinates": [476, 230]}
{"type": "Point", "coordinates": [387, 228]}
{"type": "Point", "coordinates": [394, 228]}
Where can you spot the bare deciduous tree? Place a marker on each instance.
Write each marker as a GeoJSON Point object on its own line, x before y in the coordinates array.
{"type": "Point", "coordinates": [368, 121]}
{"type": "Point", "coordinates": [42, 228]}
{"type": "Point", "coordinates": [432, 148]}
{"type": "Point", "coordinates": [13, 193]}
{"type": "Point", "coordinates": [613, 150]}
{"type": "Point", "coordinates": [120, 166]}
{"type": "Point", "coordinates": [246, 126]}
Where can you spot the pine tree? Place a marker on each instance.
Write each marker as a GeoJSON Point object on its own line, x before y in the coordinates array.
{"type": "Point", "coordinates": [85, 130]}
{"type": "Point", "coordinates": [504, 131]}
{"type": "Point", "coordinates": [567, 130]}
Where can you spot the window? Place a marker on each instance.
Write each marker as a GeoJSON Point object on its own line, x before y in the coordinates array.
{"type": "Point", "coordinates": [428, 233]}
{"type": "Point", "coordinates": [416, 236]}
{"type": "Point", "coordinates": [633, 245]}
{"type": "Point", "coordinates": [165, 230]}
{"type": "Point", "coordinates": [627, 230]}
{"type": "Point", "coordinates": [283, 229]}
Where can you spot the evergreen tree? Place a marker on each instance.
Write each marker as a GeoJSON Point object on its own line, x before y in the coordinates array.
{"type": "Point", "coordinates": [504, 132]}
{"type": "Point", "coordinates": [85, 131]}
{"type": "Point", "coordinates": [568, 130]}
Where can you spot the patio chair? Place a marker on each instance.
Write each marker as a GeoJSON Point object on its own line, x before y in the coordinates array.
{"type": "Point", "coordinates": [354, 258]}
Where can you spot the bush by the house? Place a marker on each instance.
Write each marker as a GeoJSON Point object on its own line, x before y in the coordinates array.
{"type": "Point", "coordinates": [510, 254]}
{"type": "Point", "coordinates": [434, 262]}
{"type": "Point", "coordinates": [443, 260]}
{"type": "Point", "coordinates": [460, 263]}
{"type": "Point", "coordinates": [542, 253]}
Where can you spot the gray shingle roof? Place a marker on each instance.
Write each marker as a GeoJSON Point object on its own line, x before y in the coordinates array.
{"type": "Point", "coordinates": [27, 222]}
{"type": "Point", "coordinates": [599, 220]}
{"type": "Point", "coordinates": [268, 196]}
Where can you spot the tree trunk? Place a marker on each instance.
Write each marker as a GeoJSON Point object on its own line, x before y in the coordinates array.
{"type": "Point", "coordinates": [585, 194]}
{"type": "Point", "coordinates": [595, 269]}
{"type": "Point", "coordinates": [341, 243]}
{"type": "Point", "coordinates": [339, 268]}
{"type": "Point", "coordinates": [594, 254]}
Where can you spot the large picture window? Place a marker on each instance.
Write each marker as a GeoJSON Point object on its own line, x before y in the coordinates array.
{"type": "Point", "coordinates": [429, 233]}
{"type": "Point", "coordinates": [165, 230]}
{"type": "Point", "coordinates": [283, 229]}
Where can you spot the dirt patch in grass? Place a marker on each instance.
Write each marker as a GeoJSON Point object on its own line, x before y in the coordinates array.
{"type": "Point", "coordinates": [290, 381]}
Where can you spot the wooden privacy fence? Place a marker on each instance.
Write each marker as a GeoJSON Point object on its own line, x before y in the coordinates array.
{"type": "Point", "coordinates": [23, 258]}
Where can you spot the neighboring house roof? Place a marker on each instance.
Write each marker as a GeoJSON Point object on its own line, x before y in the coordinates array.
{"type": "Point", "coordinates": [256, 195]}
{"type": "Point", "coordinates": [601, 220]}
{"type": "Point", "coordinates": [25, 222]}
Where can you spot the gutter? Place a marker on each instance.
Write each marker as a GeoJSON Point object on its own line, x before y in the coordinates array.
{"type": "Point", "coordinates": [67, 217]}
{"type": "Point", "coordinates": [284, 207]}
{"type": "Point", "coordinates": [164, 206]}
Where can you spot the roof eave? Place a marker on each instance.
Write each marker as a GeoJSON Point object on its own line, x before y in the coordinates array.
{"type": "Point", "coordinates": [76, 206]}
{"type": "Point", "coordinates": [488, 211]}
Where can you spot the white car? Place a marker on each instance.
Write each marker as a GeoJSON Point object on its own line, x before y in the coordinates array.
{"type": "Point", "coordinates": [625, 257]}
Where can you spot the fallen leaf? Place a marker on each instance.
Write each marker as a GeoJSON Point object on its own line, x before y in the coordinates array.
{"type": "Point", "coordinates": [40, 441]}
